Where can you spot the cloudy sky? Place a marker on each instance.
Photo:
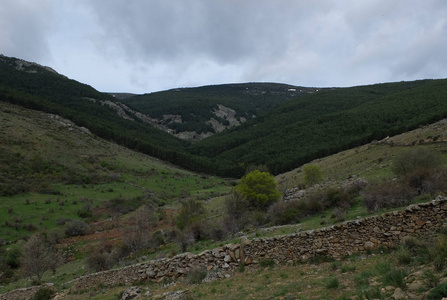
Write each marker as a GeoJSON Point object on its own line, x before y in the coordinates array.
{"type": "Point", "coordinates": [143, 46]}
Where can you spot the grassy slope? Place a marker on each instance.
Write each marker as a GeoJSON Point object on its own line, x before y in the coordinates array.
{"type": "Point", "coordinates": [355, 274]}
{"type": "Point", "coordinates": [358, 276]}
{"type": "Point", "coordinates": [109, 171]}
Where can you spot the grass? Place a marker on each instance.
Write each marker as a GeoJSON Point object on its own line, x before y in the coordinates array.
{"type": "Point", "coordinates": [121, 173]}
{"type": "Point", "coordinates": [141, 175]}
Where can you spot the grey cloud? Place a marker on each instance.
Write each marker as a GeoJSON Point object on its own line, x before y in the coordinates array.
{"type": "Point", "coordinates": [227, 31]}
{"type": "Point", "coordinates": [24, 28]}
{"type": "Point", "coordinates": [167, 43]}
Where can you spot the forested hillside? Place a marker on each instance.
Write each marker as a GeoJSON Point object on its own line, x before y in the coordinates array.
{"type": "Point", "coordinates": [40, 88]}
{"type": "Point", "coordinates": [209, 109]}
{"type": "Point", "coordinates": [327, 122]}
{"type": "Point", "coordinates": [280, 126]}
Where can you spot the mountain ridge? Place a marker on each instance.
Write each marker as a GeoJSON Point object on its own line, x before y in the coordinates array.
{"type": "Point", "coordinates": [278, 125]}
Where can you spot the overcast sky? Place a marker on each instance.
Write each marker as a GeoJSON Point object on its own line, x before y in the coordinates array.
{"type": "Point", "coordinates": [144, 46]}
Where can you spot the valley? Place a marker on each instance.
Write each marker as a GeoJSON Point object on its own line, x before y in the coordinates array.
{"type": "Point", "coordinates": [105, 183]}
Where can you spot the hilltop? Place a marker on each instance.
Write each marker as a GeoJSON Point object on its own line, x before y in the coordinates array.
{"type": "Point", "coordinates": [277, 125]}
{"type": "Point", "coordinates": [198, 113]}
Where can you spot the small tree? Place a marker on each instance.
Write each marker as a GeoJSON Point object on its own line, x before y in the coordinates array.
{"type": "Point", "coordinates": [191, 212]}
{"type": "Point", "coordinates": [415, 159]}
{"type": "Point", "coordinates": [38, 256]}
{"type": "Point", "coordinates": [312, 174]}
{"type": "Point", "coordinates": [259, 189]}
{"type": "Point", "coordinates": [13, 254]}
{"type": "Point", "coordinates": [236, 217]}
{"type": "Point", "coordinates": [137, 236]}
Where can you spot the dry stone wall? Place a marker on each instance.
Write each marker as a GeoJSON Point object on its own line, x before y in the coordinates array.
{"type": "Point", "coordinates": [25, 293]}
{"type": "Point", "coordinates": [336, 241]}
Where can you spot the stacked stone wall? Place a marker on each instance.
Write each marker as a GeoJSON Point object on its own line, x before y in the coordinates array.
{"type": "Point", "coordinates": [25, 293]}
{"type": "Point", "coordinates": [336, 241]}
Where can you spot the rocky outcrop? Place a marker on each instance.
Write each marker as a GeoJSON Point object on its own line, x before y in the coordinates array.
{"type": "Point", "coordinates": [336, 241]}
{"type": "Point", "coordinates": [227, 114]}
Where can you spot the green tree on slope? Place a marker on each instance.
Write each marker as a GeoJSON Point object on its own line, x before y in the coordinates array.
{"type": "Point", "coordinates": [259, 189]}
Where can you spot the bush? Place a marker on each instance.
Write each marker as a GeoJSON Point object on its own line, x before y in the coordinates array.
{"type": "Point", "coordinates": [191, 212]}
{"type": "Point", "coordinates": [438, 253]}
{"type": "Point", "coordinates": [387, 194]}
{"type": "Point", "coordinates": [44, 293]}
{"type": "Point", "coordinates": [12, 258]}
{"type": "Point", "coordinates": [283, 213]}
{"type": "Point", "coordinates": [414, 245]}
{"type": "Point", "coordinates": [413, 159]}
{"type": "Point", "coordinates": [429, 278]}
{"type": "Point", "coordinates": [98, 261]}
{"type": "Point", "coordinates": [403, 256]}
{"type": "Point", "coordinates": [54, 236]}
{"type": "Point", "coordinates": [76, 227]}
{"type": "Point", "coordinates": [267, 263]}
{"type": "Point", "coordinates": [312, 174]}
{"type": "Point", "coordinates": [438, 292]}
{"type": "Point", "coordinates": [396, 277]}
{"type": "Point", "coordinates": [196, 275]}
{"type": "Point", "coordinates": [235, 217]}
{"type": "Point", "coordinates": [333, 283]}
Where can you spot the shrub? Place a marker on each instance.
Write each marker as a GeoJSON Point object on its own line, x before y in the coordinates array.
{"type": "Point", "coordinates": [267, 263]}
{"type": "Point", "coordinates": [413, 159]}
{"type": "Point", "coordinates": [438, 292]}
{"type": "Point", "coordinates": [435, 181]}
{"type": "Point", "coordinates": [196, 275]}
{"type": "Point", "coordinates": [12, 258]}
{"type": "Point", "coordinates": [98, 261]}
{"type": "Point", "coordinates": [44, 293]}
{"type": "Point", "coordinates": [403, 255]}
{"type": "Point", "coordinates": [312, 174]}
{"type": "Point", "coordinates": [54, 236]}
{"type": "Point", "coordinates": [414, 245]}
{"type": "Point", "coordinates": [76, 227]}
{"type": "Point", "coordinates": [340, 213]}
{"type": "Point", "coordinates": [438, 253]}
{"type": "Point", "coordinates": [85, 211]}
{"type": "Point", "coordinates": [236, 211]}
{"type": "Point", "coordinates": [396, 277]}
{"type": "Point", "coordinates": [333, 283]}
{"type": "Point", "coordinates": [362, 279]}
{"type": "Point", "coordinates": [387, 194]}
{"type": "Point", "coordinates": [429, 278]}
{"type": "Point", "coordinates": [282, 213]}
{"type": "Point", "coordinates": [192, 211]}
